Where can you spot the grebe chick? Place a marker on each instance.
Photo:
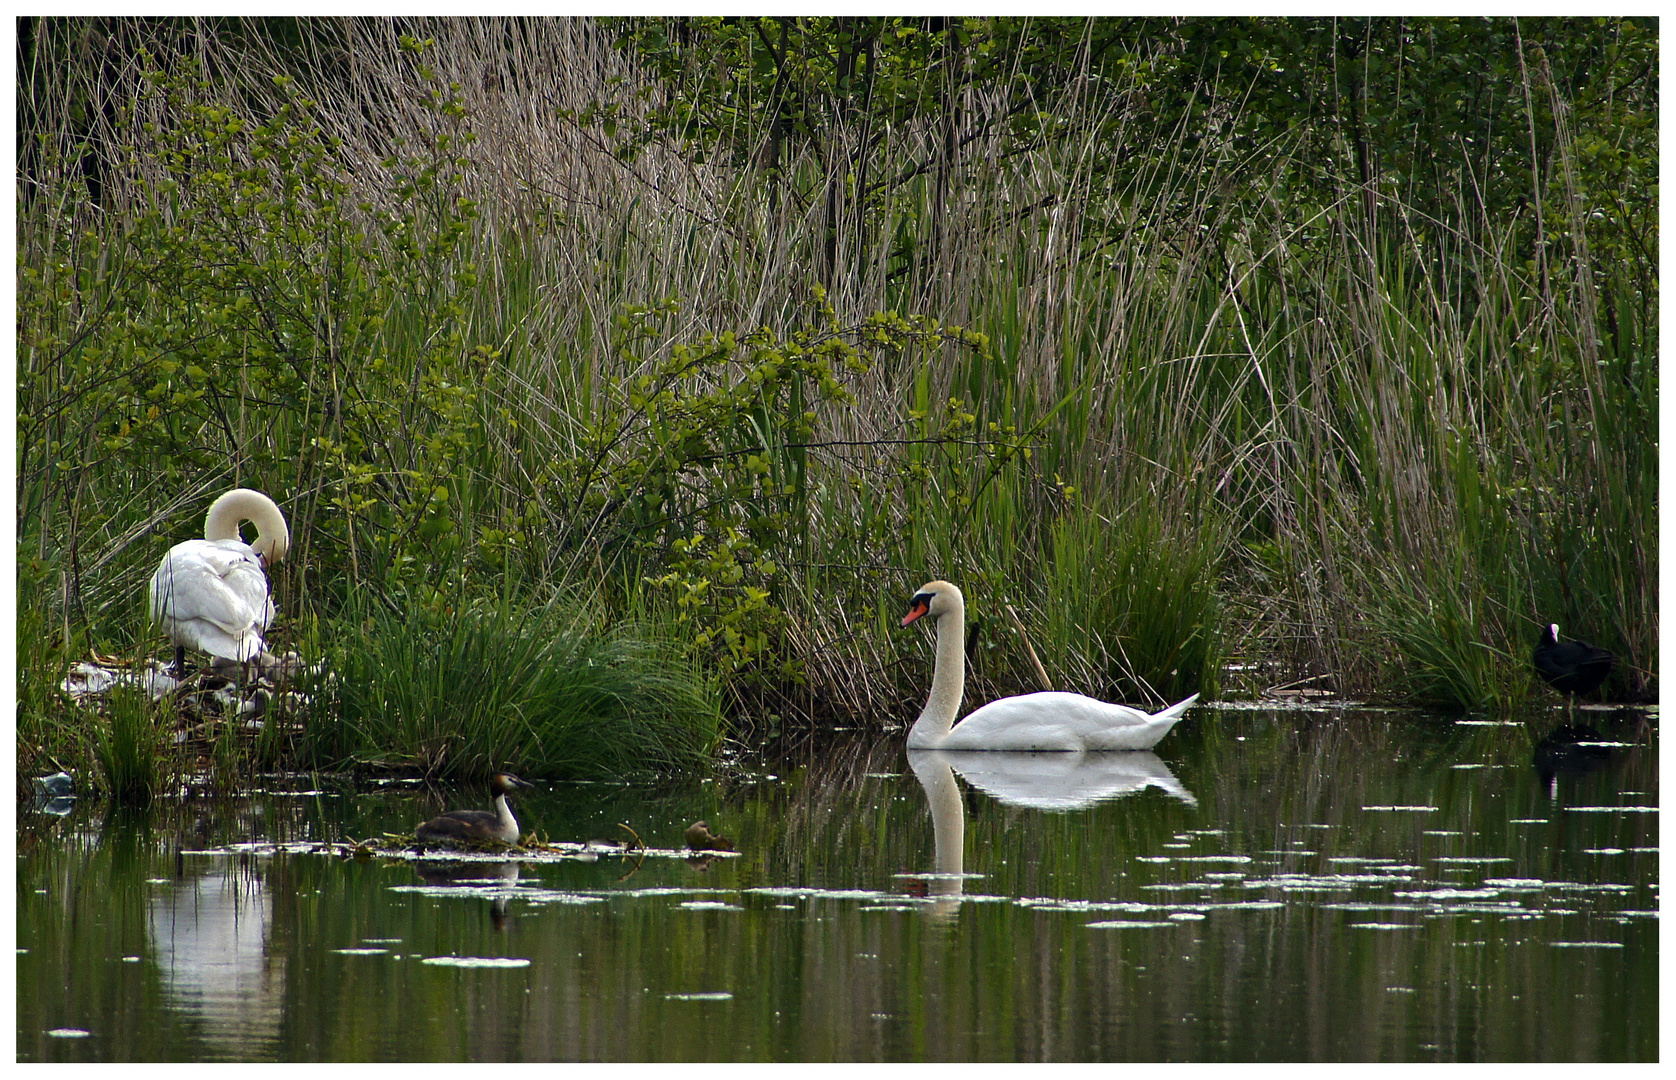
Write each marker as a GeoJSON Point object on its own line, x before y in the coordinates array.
{"type": "Point", "coordinates": [478, 824]}
{"type": "Point", "coordinates": [700, 838]}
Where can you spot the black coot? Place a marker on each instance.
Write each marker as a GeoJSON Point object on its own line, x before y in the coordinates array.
{"type": "Point", "coordinates": [1571, 667]}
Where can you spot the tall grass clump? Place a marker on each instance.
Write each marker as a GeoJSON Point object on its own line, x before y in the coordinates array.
{"type": "Point", "coordinates": [131, 737]}
{"type": "Point", "coordinates": [468, 688]}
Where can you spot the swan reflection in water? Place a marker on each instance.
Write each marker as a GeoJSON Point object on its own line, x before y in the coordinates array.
{"type": "Point", "coordinates": [1038, 780]}
{"type": "Point", "coordinates": [481, 876]}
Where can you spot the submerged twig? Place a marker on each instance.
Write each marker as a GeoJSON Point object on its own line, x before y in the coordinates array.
{"type": "Point", "coordinates": [640, 845]}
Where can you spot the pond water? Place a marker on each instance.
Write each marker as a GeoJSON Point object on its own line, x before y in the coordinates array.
{"type": "Point", "coordinates": [1275, 885]}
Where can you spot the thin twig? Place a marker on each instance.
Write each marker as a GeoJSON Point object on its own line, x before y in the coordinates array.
{"type": "Point", "coordinates": [1041, 672]}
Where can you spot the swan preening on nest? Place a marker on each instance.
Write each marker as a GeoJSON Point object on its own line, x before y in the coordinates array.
{"type": "Point", "coordinates": [212, 594]}
{"type": "Point", "coordinates": [1050, 720]}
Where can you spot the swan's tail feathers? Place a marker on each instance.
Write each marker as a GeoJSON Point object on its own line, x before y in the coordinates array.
{"type": "Point", "coordinates": [1177, 709]}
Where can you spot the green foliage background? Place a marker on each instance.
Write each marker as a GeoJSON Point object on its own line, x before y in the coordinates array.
{"type": "Point", "coordinates": [1231, 352]}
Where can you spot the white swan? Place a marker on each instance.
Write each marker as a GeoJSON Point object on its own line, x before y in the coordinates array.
{"type": "Point", "coordinates": [212, 594]}
{"type": "Point", "coordinates": [1050, 720]}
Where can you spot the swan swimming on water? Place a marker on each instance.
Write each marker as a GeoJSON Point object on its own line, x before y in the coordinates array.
{"type": "Point", "coordinates": [212, 594]}
{"type": "Point", "coordinates": [1050, 720]}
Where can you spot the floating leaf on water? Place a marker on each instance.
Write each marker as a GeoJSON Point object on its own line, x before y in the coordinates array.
{"type": "Point", "coordinates": [1471, 858]}
{"type": "Point", "coordinates": [1587, 944]}
{"type": "Point", "coordinates": [823, 894]}
{"type": "Point", "coordinates": [1185, 885]}
{"type": "Point", "coordinates": [1613, 809]}
{"type": "Point", "coordinates": [553, 896]}
{"type": "Point", "coordinates": [1048, 903]}
{"type": "Point", "coordinates": [1563, 886]}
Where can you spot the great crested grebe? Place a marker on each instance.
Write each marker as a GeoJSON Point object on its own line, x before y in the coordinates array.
{"type": "Point", "coordinates": [478, 824]}
{"type": "Point", "coordinates": [212, 594]}
{"type": "Point", "coordinates": [1050, 720]}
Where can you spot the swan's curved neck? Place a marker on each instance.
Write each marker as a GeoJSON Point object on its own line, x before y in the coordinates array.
{"type": "Point", "coordinates": [243, 504]}
{"type": "Point", "coordinates": [948, 679]}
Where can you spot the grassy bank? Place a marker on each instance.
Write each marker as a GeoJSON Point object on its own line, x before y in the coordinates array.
{"type": "Point", "coordinates": [1184, 393]}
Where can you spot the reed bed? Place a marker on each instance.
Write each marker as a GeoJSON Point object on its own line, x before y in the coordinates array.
{"type": "Point", "coordinates": [1210, 413]}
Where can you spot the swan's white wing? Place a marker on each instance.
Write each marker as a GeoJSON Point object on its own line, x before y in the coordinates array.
{"type": "Point", "coordinates": [213, 595]}
{"type": "Point", "coordinates": [1053, 720]}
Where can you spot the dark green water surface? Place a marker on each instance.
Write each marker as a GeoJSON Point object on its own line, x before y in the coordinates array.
{"type": "Point", "coordinates": [1275, 885]}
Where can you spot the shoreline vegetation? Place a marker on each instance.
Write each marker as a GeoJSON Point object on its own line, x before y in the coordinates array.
{"type": "Point", "coordinates": [620, 378]}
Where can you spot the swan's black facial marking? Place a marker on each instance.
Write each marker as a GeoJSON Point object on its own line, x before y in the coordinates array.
{"type": "Point", "coordinates": [919, 605]}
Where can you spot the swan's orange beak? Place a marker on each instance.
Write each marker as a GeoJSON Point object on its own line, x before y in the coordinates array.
{"type": "Point", "coordinates": [918, 606]}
